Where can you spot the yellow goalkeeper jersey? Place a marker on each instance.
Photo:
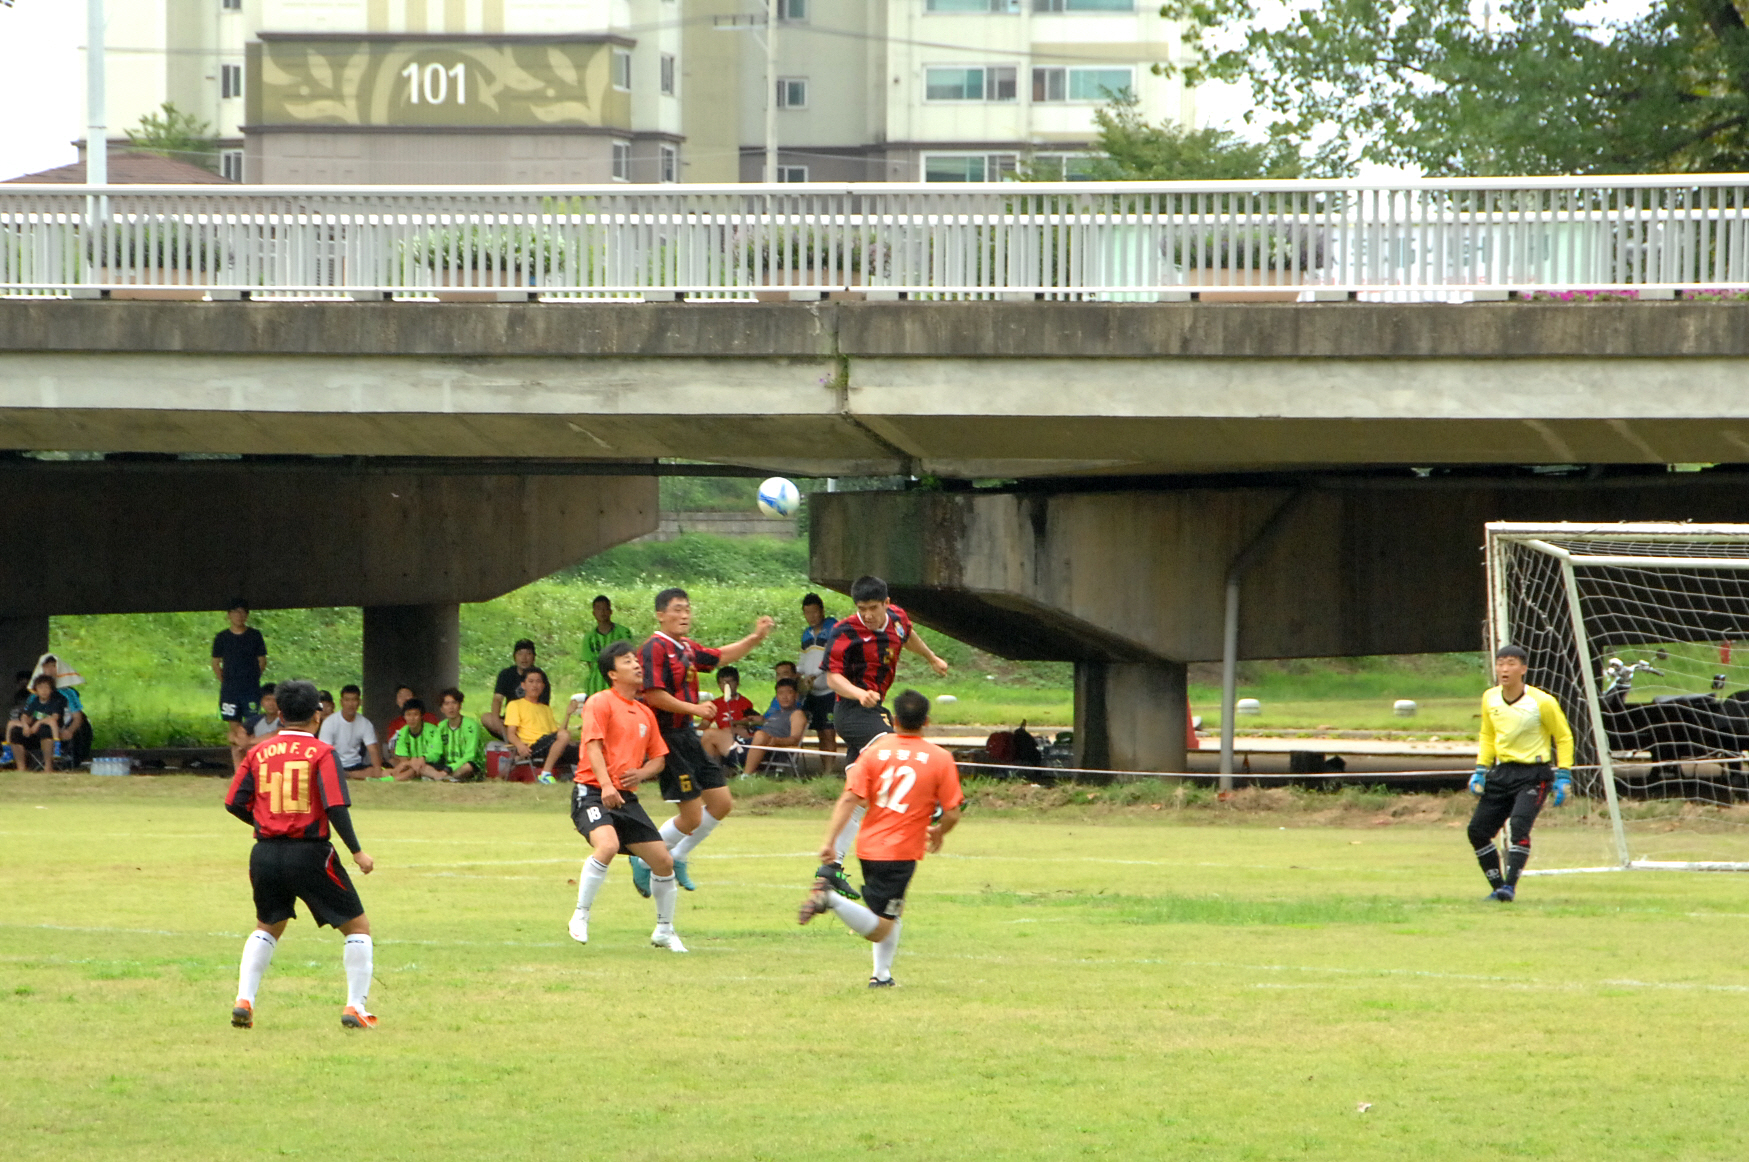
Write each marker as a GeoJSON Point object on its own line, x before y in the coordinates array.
{"type": "Point", "coordinates": [1524, 731]}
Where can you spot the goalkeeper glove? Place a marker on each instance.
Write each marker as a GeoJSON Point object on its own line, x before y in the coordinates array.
{"type": "Point", "coordinates": [1563, 785]}
{"type": "Point", "coordinates": [1479, 780]}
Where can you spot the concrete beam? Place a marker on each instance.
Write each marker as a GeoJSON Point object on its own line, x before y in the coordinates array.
{"type": "Point", "coordinates": [23, 639]}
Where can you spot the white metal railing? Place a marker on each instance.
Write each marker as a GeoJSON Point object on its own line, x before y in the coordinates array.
{"type": "Point", "coordinates": [1431, 238]}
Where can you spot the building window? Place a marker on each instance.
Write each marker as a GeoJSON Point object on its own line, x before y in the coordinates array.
{"type": "Point", "coordinates": [670, 157]}
{"type": "Point", "coordinates": [1092, 84]}
{"type": "Point", "coordinates": [230, 80]}
{"type": "Point", "coordinates": [792, 92]}
{"type": "Point", "coordinates": [232, 5]}
{"type": "Point", "coordinates": [968, 167]}
{"type": "Point", "coordinates": [231, 164]}
{"type": "Point", "coordinates": [622, 161]}
{"type": "Point", "coordinates": [1083, 5]}
{"type": "Point", "coordinates": [971, 5]}
{"type": "Point", "coordinates": [792, 11]}
{"type": "Point", "coordinates": [622, 70]}
{"type": "Point", "coordinates": [792, 173]}
{"type": "Point", "coordinates": [985, 83]}
{"type": "Point", "coordinates": [668, 73]}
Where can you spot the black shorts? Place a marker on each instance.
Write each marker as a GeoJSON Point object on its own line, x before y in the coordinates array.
{"type": "Point", "coordinates": [859, 725]}
{"type": "Point", "coordinates": [18, 733]}
{"type": "Point", "coordinates": [237, 708]}
{"type": "Point", "coordinates": [544, 745]}
{"type": "Point", "coordinates": [283, 871]}
{"type": "Point", "coordinates": [629, 820]}
{"type": "Point", "coordinates": [689, 770]}
{"type": "Point", "coordinates": [819, 710]}
{"type": "Point", "coordinates": [884, 882]}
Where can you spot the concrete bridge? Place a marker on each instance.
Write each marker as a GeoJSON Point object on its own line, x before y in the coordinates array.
{"type": "Point", "coordinates": [1153, 441]}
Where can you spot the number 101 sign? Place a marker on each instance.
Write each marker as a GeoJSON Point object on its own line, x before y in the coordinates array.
{"type": "Point", "coordinates": [431, 82]}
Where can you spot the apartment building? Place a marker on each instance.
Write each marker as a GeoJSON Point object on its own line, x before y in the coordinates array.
{"type": "Point", "coordinates": [458, 92]}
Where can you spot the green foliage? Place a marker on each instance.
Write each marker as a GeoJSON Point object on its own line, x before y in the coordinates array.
{"type": "Point", "coordinates": [1542, 87]}
{"type": "Point", "coordinates": [698, 557]}
{"type": "Point", "coordinates": [178, 135]}
{"type": "Point", "coordinates": [1130, 149]}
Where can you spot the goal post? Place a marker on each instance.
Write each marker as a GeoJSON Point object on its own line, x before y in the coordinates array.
{"type": "Point", "coordinates": [1632, 627]}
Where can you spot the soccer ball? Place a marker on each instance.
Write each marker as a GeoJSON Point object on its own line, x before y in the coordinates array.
{"type": "Point", "coordinates": [778, 497]}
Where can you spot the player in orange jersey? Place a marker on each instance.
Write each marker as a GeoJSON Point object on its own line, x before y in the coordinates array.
{"type": "Point", "coordinates": [901, 780]}
{"type": "Point", "coordinates": [291, 789]}
{"type": "Point", "coordinates": [622, 749]}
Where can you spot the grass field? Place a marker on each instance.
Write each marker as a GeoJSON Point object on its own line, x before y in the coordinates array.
{"type": "Point", "coordinates": [1080, 978]}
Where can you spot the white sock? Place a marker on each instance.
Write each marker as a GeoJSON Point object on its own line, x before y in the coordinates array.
{"type": "Point", "coordinates": [357, 955]}
{"type": "Point", "coordinates": [257, 955]}
{"type": "Point", "coordinates": [671, 833]}
{"type": "Point", "coordinates": [883, 953]}
{"type": "Point", "coordinates": [856, 917]}
{"type": "Point", "coordinates": [705, 826]}
{"type": "Point", "coordinates": [847, 837]}
{"type": "Point", "coordinates": [589, 882]}
{"type": "Point", "coordinates": [663, 890]}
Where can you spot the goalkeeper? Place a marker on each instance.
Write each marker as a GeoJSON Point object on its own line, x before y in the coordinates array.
{"type": "Point", "coordinates": [1523, 730]}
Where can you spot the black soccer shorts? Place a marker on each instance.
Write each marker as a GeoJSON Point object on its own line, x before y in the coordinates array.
{"type": "Point", "coordinates": [689, 770]}
{"type": "Point", "coordinates": [819, 708]}
{"type": "Point", "coordinates": [859, 725]}
{"type": "Point", "coordinates": [237, 707]}
{"type": "Point", "coordinates": [283, 871]}
{"type": "Point", "coordinates": [629, 820]}
{"type": "Point", "coordinates": [884, 883]}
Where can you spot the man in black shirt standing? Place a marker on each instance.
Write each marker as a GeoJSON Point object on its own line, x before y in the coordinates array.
{"type": "Point", "coordinates": [239, 660]}
{"type": "Point", "coordinates": [508, 687]}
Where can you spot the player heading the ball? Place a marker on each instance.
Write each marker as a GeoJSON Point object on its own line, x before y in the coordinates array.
{"type": "Point", "coordinates": [1523, 729]}
{"type": "Point", "coordinates": [290, 787]}
{"type": "Point", "coordinates": [901, 780]}
{"type": "Point", "coordinates": [622, 748]}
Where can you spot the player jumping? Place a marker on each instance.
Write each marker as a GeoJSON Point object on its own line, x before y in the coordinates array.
{"type": "Point", "coordinates": [1523, 728]}
{"type": "Point", "coordinates": [291, 788]}
{"type": "Point", "coordinates": [672, 663]}
{"type": "Point", "coordinates": [900, 780]}
{"type": "Point", "coordinates": [622, 747]}
{"type": "Point", "coordinates": [862, 659]}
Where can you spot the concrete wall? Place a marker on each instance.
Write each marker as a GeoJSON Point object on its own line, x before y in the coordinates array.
{"type": "Point", "coordinates": [1360, 566]}
{"type": "Point", "coordinates": [722, 524]}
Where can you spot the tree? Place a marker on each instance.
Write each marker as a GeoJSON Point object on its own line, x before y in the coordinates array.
{"type": "Point", "coordinates": [176, 134]}
{"type": "Point", "coordinates": [1129, 149]}
{"type": "Point", "coordinates": [1535, 88]}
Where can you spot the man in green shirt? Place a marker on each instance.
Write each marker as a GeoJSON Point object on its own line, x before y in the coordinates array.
{"type": "Point", "coordinates": [598, 639]}
{"type": "Point", "coordinates": [463, 740]}
{"type": "Point", "coordinates": [418, 747]}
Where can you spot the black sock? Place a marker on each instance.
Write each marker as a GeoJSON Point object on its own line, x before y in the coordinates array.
{"type": "Point", "coordinates": [1489, 858]}
{"type": "Point", "coordinates": [1517, 856]}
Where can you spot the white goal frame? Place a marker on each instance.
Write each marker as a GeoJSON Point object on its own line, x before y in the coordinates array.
{"type": "Point", "coordinates": [1536, 537]}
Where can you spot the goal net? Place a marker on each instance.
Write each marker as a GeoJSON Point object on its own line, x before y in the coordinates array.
{"type": "Point", "coordinates": [1641, 631]}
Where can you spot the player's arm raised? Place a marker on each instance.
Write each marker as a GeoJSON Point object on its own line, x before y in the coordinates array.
{"type": "Point", "coordinates": [847, 802]}
{"type": "Point", "coordinates": [740, 649]}
{"type": "Point", "coordinates": [915, 643]}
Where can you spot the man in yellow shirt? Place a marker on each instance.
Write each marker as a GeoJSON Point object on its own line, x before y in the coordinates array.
{"type": "Point", "coordinates": [530, 729]}
{"type": "Point", "coordinates": [1523, 733]}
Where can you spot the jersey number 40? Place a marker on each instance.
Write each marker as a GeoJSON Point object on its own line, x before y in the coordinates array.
{"type": "Point", "coordinates": [287, 789]}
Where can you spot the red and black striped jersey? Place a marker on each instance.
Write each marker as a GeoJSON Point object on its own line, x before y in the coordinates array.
{"type": "Point", "coordinates": [674, 664]}
{"type": "Point", "coordinates": [868, 657]}
{"type": "Point", "coordinates": [288, 782]}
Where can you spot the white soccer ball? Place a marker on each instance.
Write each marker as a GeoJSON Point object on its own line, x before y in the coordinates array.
{"type": "Point", "coordinates": [779, 497]}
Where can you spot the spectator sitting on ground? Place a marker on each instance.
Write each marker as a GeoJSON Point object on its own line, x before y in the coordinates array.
{"type": "Point", "coordinates": [782, 727]}
{"type": "Point", "coordinates": [464, 741]}
{"type": "Point", "coordinates": [41, 725]}
{"type": "Point", "coordinates": [66, 681]}
{"type": "Point", "coordinates": [418, 746]}
{"type": "Point", "coordinates": [735, 718]}
{"type": "Point", "coordinates": [353, 738]}
{"type": "Point", "coordinates": [267, 722]}
{"type": "Point", "coordinates": [508, 688]}
{"type": "Point", "coordinates": [324, 707]}
{"type": "Point", "coordinates": [530, 729]}
{"type": "Point", "coordinates": [402, 694]}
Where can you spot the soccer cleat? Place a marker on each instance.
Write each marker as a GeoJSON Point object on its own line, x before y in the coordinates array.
{"type": "Point", "coordinates": [684, 880]}
{"type": "Point", "coordinates": [356, 1018]}
{"type": "Point", "coordinates": [641, 877]}
{"type": "Point", "coordinates": [815, 902]}
{"type": "Point", "coordinates": [875, 982]}
{"type": "Point", "coordinates": [669, 939]}
{"type": "Point", "coordinates": [579, 928]}
{"type": "Point", "coordinates": [243, 1016]}
{"type": "Point", "coordinates": [833, 875]}
{"type": "Point", "coordinates": [1505, 893]}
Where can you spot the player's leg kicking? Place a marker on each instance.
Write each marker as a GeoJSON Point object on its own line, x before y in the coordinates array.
{"type": "Point", "coordinates": [877, 918]}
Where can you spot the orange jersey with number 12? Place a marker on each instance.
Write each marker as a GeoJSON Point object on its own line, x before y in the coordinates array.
{"type": "Point", "coordinates": [904, 778]}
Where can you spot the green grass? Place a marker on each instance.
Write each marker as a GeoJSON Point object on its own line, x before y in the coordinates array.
{"type": "Point", "coordinates": [1108, 981]}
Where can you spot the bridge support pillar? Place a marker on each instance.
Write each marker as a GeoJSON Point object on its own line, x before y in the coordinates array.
{"type": "Point", "coordinates": [418, 645]}
{"type": "Point", "coordinates": [1129, 716]}
{"type": "Point", "coordinates": [22, 641]}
